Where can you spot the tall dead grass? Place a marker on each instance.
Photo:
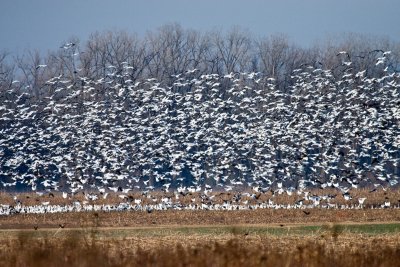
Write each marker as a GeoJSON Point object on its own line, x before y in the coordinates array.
{"type": "Point", "coordinates": [30, 249]}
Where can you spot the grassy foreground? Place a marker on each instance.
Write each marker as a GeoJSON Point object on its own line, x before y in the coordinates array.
{"type": "Point", "coordinates": [262, 237]}
{"type": "Point", "coordinates": [259, 245]}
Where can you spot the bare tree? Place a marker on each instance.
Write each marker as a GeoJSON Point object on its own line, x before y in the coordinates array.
{"type": "Point", "coordinates": [33, 73]}
{"type": "Point", "coordinates": [172, 50]}
{"type": "Point", "coordinates": [233, 50]}
{"type": "Point", "coordinates": [6, 72]}
{"type": "Point", "coordinates": [274, 53]}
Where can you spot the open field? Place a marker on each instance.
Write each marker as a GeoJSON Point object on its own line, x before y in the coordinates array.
{"type": "Point", "coordinates": [249, 245]}
{"type": "Point", "coordinates": [362, 236]}
{"type": "Point", "coordinates": [171, 217]}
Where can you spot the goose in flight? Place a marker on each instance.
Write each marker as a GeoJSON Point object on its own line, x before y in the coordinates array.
{"type": "Point", "coordinates": [67, 45]}
{"type": "Point", "coordinates": [41, 66]}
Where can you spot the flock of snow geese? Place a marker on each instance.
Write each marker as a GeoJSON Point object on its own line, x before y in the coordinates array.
{"type": "Point", "coordinates": [202, 133]}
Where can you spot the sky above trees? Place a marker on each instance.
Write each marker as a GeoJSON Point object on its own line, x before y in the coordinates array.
{"type": "Point", "coordinates": [46, 24]}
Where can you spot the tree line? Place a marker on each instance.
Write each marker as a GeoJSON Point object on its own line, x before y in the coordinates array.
{"type": "Point", "coordinates": [172, 49]}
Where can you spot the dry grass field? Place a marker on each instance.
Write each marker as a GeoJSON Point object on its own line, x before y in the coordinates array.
{"type": "Point", "coordinates": [195, 218]}
{"type": "Point", "coordinates": [262, 237]}
{"type": "Point", "coordinates": [290, 245]}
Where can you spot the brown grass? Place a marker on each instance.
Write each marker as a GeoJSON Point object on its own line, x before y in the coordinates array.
{"type": "Point", "coordinates": [94, 239]}
{"type": "Point", "coordinates": [89, 248]}
{"type": "Point", "coordinates": [171, 217]}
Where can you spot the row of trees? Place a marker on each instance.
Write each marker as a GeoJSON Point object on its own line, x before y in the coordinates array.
{"type": "Point", "coordinates": [172, 50]}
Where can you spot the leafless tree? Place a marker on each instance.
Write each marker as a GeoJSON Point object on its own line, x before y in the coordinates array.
{"type": "Point", "coordinates": [6, 71]}
{"type": "Point", "coordinates": [172, 50]}
{"type": "Point", "coordinates": [32, 68]}
{"type": "Point", "coordinates": [233, 50]}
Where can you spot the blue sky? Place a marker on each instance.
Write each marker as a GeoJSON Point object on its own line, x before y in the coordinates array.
{"type": "Point", "coordinates": [46, 24]}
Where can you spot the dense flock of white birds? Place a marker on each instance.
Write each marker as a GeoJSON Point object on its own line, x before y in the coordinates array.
{"type": "Point", "coordinates": [200, 133]}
